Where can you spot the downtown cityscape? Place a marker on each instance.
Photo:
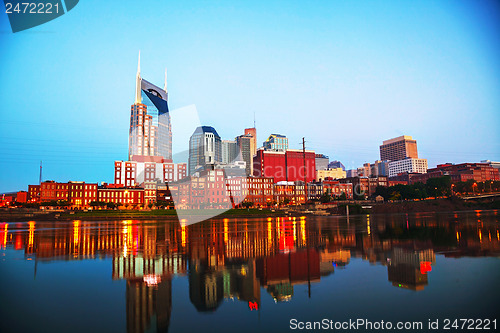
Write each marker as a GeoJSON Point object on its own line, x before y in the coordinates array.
{"type": "Point", "coordinates": [319, 166]}
{"type": "Point", "coordinates": [224, 174]}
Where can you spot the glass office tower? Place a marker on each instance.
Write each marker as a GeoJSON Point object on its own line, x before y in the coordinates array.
{"type": "Point", "coordinates": [150, 126]}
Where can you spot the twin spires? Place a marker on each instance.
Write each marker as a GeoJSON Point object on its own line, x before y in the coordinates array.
{"type": "Point", "coordinates": [138, 90]}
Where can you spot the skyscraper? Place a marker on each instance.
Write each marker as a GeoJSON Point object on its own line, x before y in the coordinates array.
{"type": "Point", "coordinates": [150, 131]}
{"type": "Point", "coordinates": [398, 148]}
{"type": "Point", "coordinates": [253, 142]}
{"type": "Point", "coordinates": [229, 151]}
{"type": "Point", "coordinates": [205, 148]}
{"type": "Point", "coordinates": [244, 143]}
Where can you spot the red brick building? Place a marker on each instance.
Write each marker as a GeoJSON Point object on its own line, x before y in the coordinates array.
{"type": "Point", "coordinates": [366, 185]}
{"type": "Point", "coordinates": [22, 196]}
{"type": "Point", "coordinates": [478, 172]}
{"type": "Point", "coordinates": [293, 192]}
{"type": "Point", "coordinates": [285, 166]}
{"type": "Point", "coordinates": [122, 196]}
{"type": "Point", "coordinates": [79, 194]}
{"type": "Point", "coordinates": [336, 188]}
{"type": "Point", "coordinates": [34, 193]}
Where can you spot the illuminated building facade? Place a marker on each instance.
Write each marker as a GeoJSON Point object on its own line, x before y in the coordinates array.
{"type": "Point", "coordinates": [78, 194]}
{"type": "Point", "coordinates": [133, 173]}
{"type": "Point", "coordinates": [34, 193]}
{"type": "Point", "coordinates": [122, 196]}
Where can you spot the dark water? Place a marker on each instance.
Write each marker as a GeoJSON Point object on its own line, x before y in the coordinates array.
{"type": "Point", "coordinates": [249, 275]}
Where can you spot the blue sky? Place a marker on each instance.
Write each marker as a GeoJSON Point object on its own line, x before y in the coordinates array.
{"type": "Point", "coordinates": [345, 75]}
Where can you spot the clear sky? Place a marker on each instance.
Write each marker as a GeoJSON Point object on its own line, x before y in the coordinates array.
{"type": "Point", "coordinates": [345, 75]}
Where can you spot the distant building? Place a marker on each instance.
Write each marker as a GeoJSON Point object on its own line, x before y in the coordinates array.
{"type": "Point", "coordinates": [276, 142]}
{"type": "Point", "coordinates": [244, 144]}
{"type": "Point", "coordinates": [330, 173]}
{"type": "Point", "coordinates": [495, 165]}
{"type": "Point", "coordinates": [229, 151]}
{"type": "Point", "coordinates": [336, 164]}
{"type": "Point", "coordinates": [351, 173]}
{"type": "Point", "coordinates": [365, 170]}
{"type": "Point", "coordinates": [478, 172]}
{"type": "Point", "coordinates": [253, 142]}
{"type": "Point", "coordinates": [322, 162]}
{"type": "Point", "coordinates": [205, 149]}
{"type": "Point", "coordinates": [398, 148]}
{"type": "Point", "coordinates": [365, 185]}
{"type": "Point", "coordinates": [409, 165]}
{"type": "Point", "coordinates": [380, 168]}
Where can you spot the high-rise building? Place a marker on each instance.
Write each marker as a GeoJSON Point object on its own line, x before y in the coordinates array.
{"type": "Point", "coordinates": [244, 144]}
{"type": "Point", "coordinates": [409, 165]}
{"type": "Point", "coordinates": [150, 131]}
{"type": "Point", "coordinates": [398, 148]}
{"type": "Point", "coordinates": [205, 149]}
{"type": "Point", "coordinates": [229, 151]}
{"type": "Point", "coordinates": [253, 142]}
{"type": "Point", "coordinates": [276, 142]}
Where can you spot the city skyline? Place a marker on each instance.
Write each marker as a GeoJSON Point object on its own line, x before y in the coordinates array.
{"type": "Point", "coordinates": [65, 110]}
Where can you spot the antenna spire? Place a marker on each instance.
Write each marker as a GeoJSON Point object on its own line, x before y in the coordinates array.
{"type": "Point", "coordinates": [139, 64]}
{"type": "Point", "coordinates": [165, 87]}
{"type": "Point", "coordinates": [138, 98]}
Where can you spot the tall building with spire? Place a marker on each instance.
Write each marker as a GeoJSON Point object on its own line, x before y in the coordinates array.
{"type": "Point", "coordinates": [150, 126]}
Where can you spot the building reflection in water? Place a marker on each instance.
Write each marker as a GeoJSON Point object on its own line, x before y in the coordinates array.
{"type": "Point", "coordinates": [234, 259]}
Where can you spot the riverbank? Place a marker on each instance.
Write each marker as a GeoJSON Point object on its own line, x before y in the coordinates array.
{"type": "Point", "coordinates": [437, 205]}
{"type": "Point", "coordinates": [359, 207]}
{"type": "Point", "coordinates": [157, 214]}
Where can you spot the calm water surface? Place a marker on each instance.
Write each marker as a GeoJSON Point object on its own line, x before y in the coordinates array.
{"type": "Point", "coordinates": [247, 275]}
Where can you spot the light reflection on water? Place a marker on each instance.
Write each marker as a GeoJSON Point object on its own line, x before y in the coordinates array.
{"type": "Point", "coordinates": [249, 274]}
